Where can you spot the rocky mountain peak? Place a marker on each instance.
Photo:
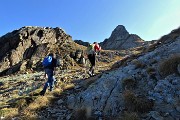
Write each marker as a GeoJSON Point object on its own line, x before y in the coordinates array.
{"type": "Point", "coordinates": [120, 28]}
{"type": "Point", "coordinates": [119, 32]}
{"type": "Point", "coordinates": [121, 39]}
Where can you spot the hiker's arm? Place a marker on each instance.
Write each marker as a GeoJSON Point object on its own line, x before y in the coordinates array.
{"type": "Point", "coordinates": [85, 54]}
{"type": "Point", "coordinates": [45, 74]}
{"type": "Point", "coordinates": [55, 69]}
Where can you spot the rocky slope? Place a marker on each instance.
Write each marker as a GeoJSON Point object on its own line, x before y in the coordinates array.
{"type": "Point", "coordinates": [121, 39]}
{"type": "Point", "coordinates": [146, 84]}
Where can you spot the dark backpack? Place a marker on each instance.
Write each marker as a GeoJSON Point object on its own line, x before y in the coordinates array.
{"type": "Point", "coordinates": [47, 61]}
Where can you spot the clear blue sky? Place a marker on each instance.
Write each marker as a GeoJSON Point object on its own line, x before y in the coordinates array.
{"type": "Point", "coordinates": [93, 20]}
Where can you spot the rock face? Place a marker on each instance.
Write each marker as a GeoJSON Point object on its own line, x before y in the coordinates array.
{"type": "Point", "coordinates": [26, 47]}
{"type": "Point", "coordinates": [121, 39]}
{"type": "Point", "coordinates": [137, 86]}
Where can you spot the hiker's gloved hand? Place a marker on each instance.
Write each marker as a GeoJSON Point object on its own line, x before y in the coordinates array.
{"type": "Point", "coordinates": [54, 73]}
{"type": "Point", "coordinates": [45, 75]}
{"type": "Point", "coordinates": [95, 53]}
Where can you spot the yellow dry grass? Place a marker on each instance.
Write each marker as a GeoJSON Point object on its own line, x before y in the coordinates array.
{"type": "Point", "coordinates": [130, 116]}
{"type": "Point", "coordinates": [169, 66]}
{"type": "Point", "coordinates": [137, 104]}
{"type": "Point", "coordinates": [33, 107]}
{"type": "Point", "coordinates": [8, 113]}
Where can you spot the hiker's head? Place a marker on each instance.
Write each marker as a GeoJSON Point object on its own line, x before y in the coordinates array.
{"type": "Point", "coordinates": [51, 54]}
{"type": "Point", "coordinates": [95, 43]}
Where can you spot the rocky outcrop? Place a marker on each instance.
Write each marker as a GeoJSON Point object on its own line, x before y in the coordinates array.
{"type": "Point", "coordinates": [121, 39]}
{"type": "Point", "coordinates": [137, 85]}
{"type": "Point", "coordinates": [26, 47]}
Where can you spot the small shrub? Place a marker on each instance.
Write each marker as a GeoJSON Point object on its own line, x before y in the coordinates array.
{"type": "Point", "coordinates": [129, 96]}
{"type": "Point", "coordinates": [130, 116]}
{"type": "Point", "coordinates": [128, 83]}
{"type": "Point", "coordinates": [80, 114]}
{"type": "Point", "coordinates": [150, 70]}
{"type": "Point", "coordinates": [143, 104]}
{"type": "Point", "coordinates": [153, 61]}
{"type": "Point", "coordinates": [83, 114]}
{"type": "Point", "coordinates": [138, 64]}
{"type": "Point", "coordinates": [137, 104]}
{"type": "Point", "coordinates": [169, 66]}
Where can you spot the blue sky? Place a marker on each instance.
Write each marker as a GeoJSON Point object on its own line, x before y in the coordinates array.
{"type": "Point", "coordinates": [93, 20]}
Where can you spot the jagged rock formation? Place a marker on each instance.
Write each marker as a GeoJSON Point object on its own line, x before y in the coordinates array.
{"type": "Point", "coordinates": [80, 42]}
{"type": "Point", "coordinates": [26, 47]}
{"type": "Point", "coordinates": [121, 39]}
{"type": "Point", "coordinates": [146, 83]}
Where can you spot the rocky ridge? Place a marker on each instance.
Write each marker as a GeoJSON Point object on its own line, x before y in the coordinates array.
{"type": "Point", "coordinates": [25, 48]}
{"type": "Point", "coordinates": [80, 42]}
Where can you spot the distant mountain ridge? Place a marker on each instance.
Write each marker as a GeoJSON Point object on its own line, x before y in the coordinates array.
{"type": "Point", "coordinates": [80, 42]}
{"type": "Point", "coordinates": [121, 39]}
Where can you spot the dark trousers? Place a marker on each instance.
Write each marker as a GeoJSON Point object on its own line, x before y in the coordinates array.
{"type": "Point", "coordinates": [50, 81]}
{"type": "Point", "coordinates": [92, 59]}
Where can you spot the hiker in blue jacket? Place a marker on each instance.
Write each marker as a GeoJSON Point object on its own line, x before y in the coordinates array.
{"type": "Point", "coordinates": [49, 64]}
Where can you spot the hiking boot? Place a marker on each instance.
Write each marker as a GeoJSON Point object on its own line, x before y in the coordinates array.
{"type": "Point", "coordinates": [89, 73]}
{"type": "Point", "coordinates": [50, 89]}
{"type": "Point", "coordinates": [42, 93]}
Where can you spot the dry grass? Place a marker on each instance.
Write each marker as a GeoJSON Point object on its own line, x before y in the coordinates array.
{"type": "Point", "coordinates": [28, 107]}
{"type": "Point", "coordinates": [129, 116]}
{"type": "Point", "coordinates": [137, 104]}
{"type": "Point", "coordinates": [128, 83]}
{"type": "Point", "coordinates": [38, 104]}
{"type": "Point", "coordinates": [69, 86]}
{"type": "Point", "coordinates": [119, 63]}
{"type": "Point", "coordinates": [21, 104]}
{"type": "Point", "coordinates": [57, 91]}
{"type": "Point", "coordinates": [169, 66]}
{"type": "Point", "coordinates": [151, 47]}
